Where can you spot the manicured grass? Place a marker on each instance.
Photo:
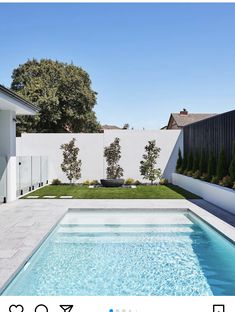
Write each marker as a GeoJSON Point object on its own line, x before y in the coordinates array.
{"type": "Point", "coordinates": [141, 192]}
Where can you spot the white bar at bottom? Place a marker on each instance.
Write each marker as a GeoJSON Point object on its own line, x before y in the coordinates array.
{"type": "Point", "coordinates": [118, 304]}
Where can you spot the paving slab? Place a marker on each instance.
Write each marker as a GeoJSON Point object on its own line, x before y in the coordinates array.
{"type": "Point", "coordinates": [32, 197]}
{"type": "Point", "coordinates": [66, 197]}
{"type": "Point", "coordinates": [49, 196]}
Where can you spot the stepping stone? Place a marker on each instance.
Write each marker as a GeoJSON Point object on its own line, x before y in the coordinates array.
{"type": "Point", "coordinates": [66, 197]}
{"type": "Point", "coordinates": [49, 196]}
{"type": "Point", "coordinates": [32, 197]}
{"type": "Point", "coordinates": [133, 186]}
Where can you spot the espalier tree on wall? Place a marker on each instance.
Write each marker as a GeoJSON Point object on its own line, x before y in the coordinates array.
{"type": "Point", "coordinates": [63, 94]}
{"type": "Point", "coordinates": [71, 165]}
{"type": "Point", "coordinates": [112, 153]}
{"type": "Point", "coordinates": [148, 165]}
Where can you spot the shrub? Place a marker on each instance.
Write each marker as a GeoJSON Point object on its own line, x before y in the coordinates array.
{"type": "Point", "coordinates": [232, 165]}
{"type": "Point", "coordinates": [87, 182]}
{"type": "Point", "coordinates": [226, 181]}
{"type": "Point", "coordinates": [221, 170]}
{"type": "Point", "coordinates": [56, 182]}
{"type": "Point", "coordinates": [196, 161]}
{"type": "Point", "coordinates": [94, 182]}
{"type": "Point", "coordinates": [163, 181]}
{"type": "Point", "coordinates": [190, 161]}
{"type": "Point", "coordinates": [205, 177]}
{"type": "Point", "coordinates": [215, 180]}
{"type": "Point", "coordinates": [203, 162]}
{"type": "Point", "coordinates": [180, 171]}
{"type": "Point", "coordinates": [189, 173]}
{"type": "Point", "coordinates": [129, 181]}
{"type": "Point", "coordinates": [137, 182]}
{"type": "Point", "coordinates": [184, 163]}
{"type": "Point", "coordinates": [197, 174]}
{"type": "Point", "coordinates": [233, 186]}
{"type": "Point", "coordinates": [211, 169]}
{"type": "Point", "coordinates": [179, 161]}
{"type": "Point", "coordinates": [148, 168]}
{"type": "Point", "coordinates": [112, 153]}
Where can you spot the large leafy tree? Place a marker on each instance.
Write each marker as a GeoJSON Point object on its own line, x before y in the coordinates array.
{"type": "Point", "coordinates": [61, 91]}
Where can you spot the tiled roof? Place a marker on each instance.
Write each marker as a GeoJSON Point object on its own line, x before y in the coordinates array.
{"type": "Point", "coordinates": [184, 120]}
{"type": "Point", "coordinates": [110, 127]}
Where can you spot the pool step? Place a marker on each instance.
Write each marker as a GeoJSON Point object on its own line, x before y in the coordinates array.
{"type": "Point", "coordinates": [123, 230]}
{"type": "Point", "coordinates": [124, 239]}
{"type": "Point", "coordinates": [125, 218]}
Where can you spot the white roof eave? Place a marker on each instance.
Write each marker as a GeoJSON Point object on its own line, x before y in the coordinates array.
{"type": "Point", "coordinates": [13, 104]}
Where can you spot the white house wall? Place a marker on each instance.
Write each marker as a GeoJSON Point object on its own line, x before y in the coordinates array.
{"type": "Point", "coordinates": [92, 148]}
{"type": "Point", "coordinates": [8, 150]}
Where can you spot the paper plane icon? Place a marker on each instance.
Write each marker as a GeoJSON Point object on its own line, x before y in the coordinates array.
{"type": "Point", "coordinates": [66, 308]}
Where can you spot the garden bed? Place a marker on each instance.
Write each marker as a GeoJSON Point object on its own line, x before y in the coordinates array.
{"type": "Point", "coordinates": [141, 192]}
{"type": "Point", "coordinates": [215, 194]}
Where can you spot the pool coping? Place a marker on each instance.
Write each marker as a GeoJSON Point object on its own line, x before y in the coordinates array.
{"type": "Point", "coordinates": [68, 205]}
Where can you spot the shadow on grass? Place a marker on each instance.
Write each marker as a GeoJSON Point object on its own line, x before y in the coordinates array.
{"type": "Point", "coordinates": [182, 192]}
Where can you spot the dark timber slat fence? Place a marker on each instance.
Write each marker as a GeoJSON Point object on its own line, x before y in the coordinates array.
{"type": "Point", "coordinates": [211, 134]}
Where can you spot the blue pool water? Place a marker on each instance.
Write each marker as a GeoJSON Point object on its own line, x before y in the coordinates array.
{"type": "Point", "coordinates": [135, 253]}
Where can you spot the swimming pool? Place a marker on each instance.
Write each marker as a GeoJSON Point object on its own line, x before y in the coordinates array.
{"type": "Point", "coordinates": [140, 252]}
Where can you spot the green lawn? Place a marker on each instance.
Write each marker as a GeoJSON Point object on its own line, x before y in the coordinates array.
{"type": "Point", "coordinates": [141, 192]}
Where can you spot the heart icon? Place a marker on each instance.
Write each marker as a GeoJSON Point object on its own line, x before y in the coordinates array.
{"type": "Point", "coordinates": [16, 308]}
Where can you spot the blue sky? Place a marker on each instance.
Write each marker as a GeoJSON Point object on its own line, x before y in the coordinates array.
{"type": "Point", "coordinates": [145, 60]}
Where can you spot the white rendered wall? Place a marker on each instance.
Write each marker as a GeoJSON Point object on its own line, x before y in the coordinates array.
{"type": "Point", "coordinates": [215, 194]}
{"type": "Point", "coordinates": [8, 149]}
{"type": "Point", "coordinates": [92, 148]}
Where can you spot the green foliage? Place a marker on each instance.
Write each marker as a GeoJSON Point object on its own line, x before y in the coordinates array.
{"type": "Point", "coordinates": [215, 180]}
{"type": "Point", "coordinates": [196, 161]}
{"type": "Point", "coordinates": [179, 161]}
{"type": "Point", "coordinates": [148, 165]}
{"type": "Point", "coordinates": [211, 169]}
{"type": "Point", "coordinates": [203, 162]}
{"type": "Point", "coordinates": [71, 165]}
{"type": "Point", "coordinates": [94, 182]}
{"type": "Point", "coordinates": [112, 153]}
{"type": "Point", "coordinates": [226, 181]}
{"type": "Point", "coordinates": [205, 177]}
{"type": "Point", "coordinates": [232, 165]}
{"type": "Point", "coordinates": [63, 94]}
{"type": "Point", "coordinates": [197, 174]}
{"type": "Point", "coordinates": [163, 181]}
{"type": "Point", "coordinates": [129, 181]}
{"type": "Point", "coordinates": [56, 182]}
{"type": "Point", "coordinates": [190, 161]}
{"type": "Point", "coordinates": [86, 182]}
{"type": "Point", "coordinates": [190, 173]}
{"type": "Point", "coordinates": [137, 182]}
{"type": "Point", "coordinates": [221, 170]}
{"type": "Point", "coordinates": [184, 163]}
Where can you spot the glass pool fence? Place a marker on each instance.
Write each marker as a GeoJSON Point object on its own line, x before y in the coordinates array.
{"type": "Point", "coordinates": [31, 173]}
